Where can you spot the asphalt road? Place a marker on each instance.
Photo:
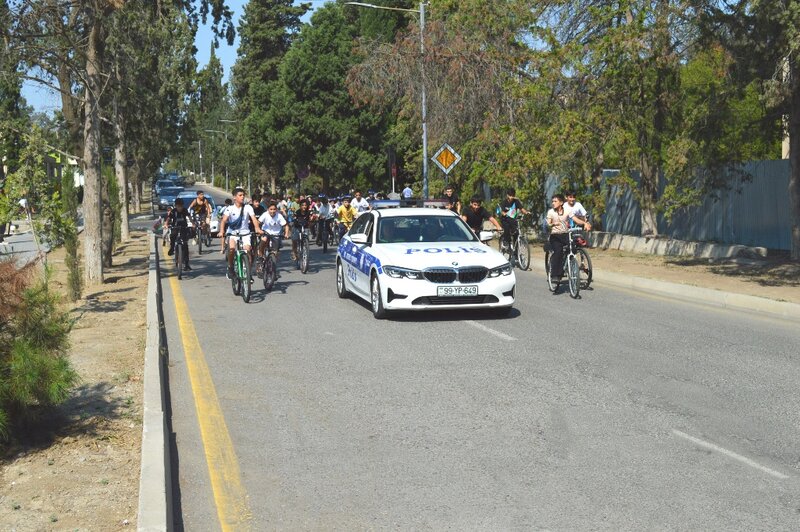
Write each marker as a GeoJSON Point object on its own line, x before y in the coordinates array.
{"type": "Point", "coordinates": [615, 411]}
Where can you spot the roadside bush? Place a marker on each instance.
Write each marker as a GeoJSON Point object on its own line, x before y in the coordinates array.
{"type": "Point", "coordinates": [35, 373]}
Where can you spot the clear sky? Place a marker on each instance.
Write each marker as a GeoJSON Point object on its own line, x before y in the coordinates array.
{"type": "Point", "coordinates": [46, 100]}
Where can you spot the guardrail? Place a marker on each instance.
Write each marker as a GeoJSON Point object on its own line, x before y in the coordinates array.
{"type": "Point", "coordinates": [155, 482]}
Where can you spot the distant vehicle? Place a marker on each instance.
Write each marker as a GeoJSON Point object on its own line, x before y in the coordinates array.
{"type": "Point", "coordinates": [163, 183]}
{"type": "Point", "coordinates": [167, 196]}
{"type": "Point", "coordinates": [188, 196]}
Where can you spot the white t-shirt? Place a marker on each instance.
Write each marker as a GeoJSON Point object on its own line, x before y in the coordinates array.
{"type": "Point", "coordinates": [407, 192]}
{"type": "Point", "coordinates": [360, 205]}
{"type": "Point", "coordinates": [576, 210]}
{"type": "Point", "coordinates": [272, 224]}
{"type": "Point", "coordinates": [232, 212]}
{"type": "Point", "coordinates": [324, 211]}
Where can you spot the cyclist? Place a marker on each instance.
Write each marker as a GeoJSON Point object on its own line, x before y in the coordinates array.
{"type": "Point", "coordinates": [559, 220]}
{"type": "Point", "coordinates": [577, 209]}
{"type": "Point", "coordinates": [346, 214]}
{"type": "Point", "coordinates": [453, 202]}
{"type": "Point", "coordinates": [476, 214]}
{"type": "Point", "coordinates": [360, 203]}
{"type": "Point", "coordinates": [303, 218]}
{"type": "Point", "coordinates": [510, 210]}
{"type": "Point", "coordinates": [272, 224]}
{"type": "Point", "coordinates": [235, 226]}
{"type": "Point", "coordinates": [324, 214]}
{"type": "Point", "coordinates": [178, 220]}
{"type": "Point", "coordinates": [200, 207]}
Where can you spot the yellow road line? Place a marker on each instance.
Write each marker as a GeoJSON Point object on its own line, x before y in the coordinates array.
{"type": "Point", "coordinates": [230, 496]}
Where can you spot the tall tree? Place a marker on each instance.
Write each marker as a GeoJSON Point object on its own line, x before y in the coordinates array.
{"type": "Point", "coordinates": [266, 32]}
{"type": "Point", "coordinates": [763, 38]}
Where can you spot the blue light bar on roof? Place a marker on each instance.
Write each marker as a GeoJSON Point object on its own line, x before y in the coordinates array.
{"type": "Point", "coordinates": [388, 204]}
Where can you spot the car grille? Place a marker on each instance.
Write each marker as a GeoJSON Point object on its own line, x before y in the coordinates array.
{"type": "Point", "coordinates": [474, 274]}
{"type": "Point", "coordinates": [440, 275]}
{"type": "Point", "coordinates": [471, 274]}
{"type": "Point", "coordinates": [461, 300]}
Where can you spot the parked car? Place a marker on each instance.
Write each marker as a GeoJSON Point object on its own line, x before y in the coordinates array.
{"type": "Point", "coordinates": [162, 183]}
{"type": "Point", "coordinates": [167, 196]}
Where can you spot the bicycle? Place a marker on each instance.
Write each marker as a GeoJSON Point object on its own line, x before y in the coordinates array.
{"type": "Point", "coordinates": [267, 267]}
{"type": "Point", "coordinates": [240, 280]}
{"type": "Point", "coordinates": [180, 241]}
{"type": "Point", "coordinates": [519, 250]}
{"type": "Point", "coordinates": [302, 251]}
{"type": "Point", "coordinates": [573, 266]}
{"type": "Point", "coordinates": [324, 235]}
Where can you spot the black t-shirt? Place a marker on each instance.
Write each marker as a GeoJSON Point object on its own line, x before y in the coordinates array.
{"type": "Point", "coordinates": [475, 218]}
{"type": "Point", "coordinates": [513, 208]}
{"type": "Point", "coordinates": [453, 201]}
{"type": "Point", "coordinates": [178, 219]}
{"type": "Point", "coordinates": [302, 219]}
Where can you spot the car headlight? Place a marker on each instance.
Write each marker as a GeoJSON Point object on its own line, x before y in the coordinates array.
{"type": "Point", "coordinates": [505, 269]}
{"type": "Point", "coordinates": [402, 273]}
{"type": "Point", "coordinates": [164, 202]}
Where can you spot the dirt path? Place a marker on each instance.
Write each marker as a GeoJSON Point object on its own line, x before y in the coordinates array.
{"type": "Point", "coordinates": [82, 471]}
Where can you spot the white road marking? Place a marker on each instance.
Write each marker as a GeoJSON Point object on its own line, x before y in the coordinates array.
{"type": "Point", "coordinates": [489, 330]}
{"type": "Point", "coordinates": [329, 333]}
{"type": "Point", "coordinates": [730, 454]}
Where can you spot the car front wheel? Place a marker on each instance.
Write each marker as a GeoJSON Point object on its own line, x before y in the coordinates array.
{"type": "Point", "coordinates": [341, 288]}
{"type": "Point", "coordinates": [375, 297]}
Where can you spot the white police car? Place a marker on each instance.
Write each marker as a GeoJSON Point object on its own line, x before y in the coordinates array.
{"type": "Point", "coordinates": [421, 259]}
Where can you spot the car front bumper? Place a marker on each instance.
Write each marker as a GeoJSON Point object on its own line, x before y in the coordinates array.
{"type": "Point", "coordinates": [408, 294]}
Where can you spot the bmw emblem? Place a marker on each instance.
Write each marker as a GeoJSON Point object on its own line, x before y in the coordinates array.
{"type": "Point", "coordinates": [455, 264]}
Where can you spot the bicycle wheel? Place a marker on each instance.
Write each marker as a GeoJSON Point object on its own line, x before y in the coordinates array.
{"type": "Point", "coordinates": [199, 243]}
{"type": "Point", "coordinates": [324, 238]}
{"type": "Point", "coordinates": [508, 252]}
{"type": "Point", "coordinates": [585, 265]}
{"type": "Point", "coordinates": [236, 282]}
{"type": "Point", "coordinates": [523, 252]}
{"type": "Point", "coordinates": [246, 284]}
{"type": "Point", "coordinates": [549, 273]}
{"type": "Point", "coordinates": [304, 255]}
{"type": "Point", "coordinates": [179, 259]}
{"type": "Point", "coordinates": [269, 272]}
{"type": "Point", "coordinates": [574, 276]}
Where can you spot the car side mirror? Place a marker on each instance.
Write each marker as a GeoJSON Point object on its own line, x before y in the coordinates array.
{"type": "Point", "coordinates": [486, 236]}
{"type": "Point", "coordinates": [359, 238]}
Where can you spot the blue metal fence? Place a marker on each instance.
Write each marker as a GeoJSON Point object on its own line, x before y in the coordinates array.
{"type": "Point", "coordinates": [752, 212]}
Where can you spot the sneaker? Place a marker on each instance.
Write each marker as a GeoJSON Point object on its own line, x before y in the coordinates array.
{"type": "Point", "coordinates": [194, 241]}
{"type": "Point", "coordinates": [187, 268]}
{"type": "Point", "coordinates": [229, 273]}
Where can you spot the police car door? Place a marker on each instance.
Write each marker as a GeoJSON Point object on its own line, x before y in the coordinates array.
{"type": "Point", "coordinates": [360, 256]}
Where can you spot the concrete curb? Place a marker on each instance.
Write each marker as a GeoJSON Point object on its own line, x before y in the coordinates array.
{"type": "Point", "coordinates": [155, 483]}
{"type": "Point", "coordinates": [697, 294]}
{"type": "Point", "coordinates": [671, 246]}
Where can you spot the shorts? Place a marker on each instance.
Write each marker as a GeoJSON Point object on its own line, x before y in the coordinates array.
{"type": "Point", "coordinates": [245, 237]}
{"type": "Point", "coordinates": [275, 240]}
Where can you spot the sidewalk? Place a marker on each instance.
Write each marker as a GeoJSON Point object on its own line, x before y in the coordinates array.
{"type": "Point", "coordinates": [774, 279]}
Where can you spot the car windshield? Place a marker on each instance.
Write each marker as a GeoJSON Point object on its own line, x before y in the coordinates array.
{"type": "Point", "coordinates": [171, 190]}
{"type": "Point", "coordinates": [164, 183]}
{"type": "Point", "coordinates": [408, 229]}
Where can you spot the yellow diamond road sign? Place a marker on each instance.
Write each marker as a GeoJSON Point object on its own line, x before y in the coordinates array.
{"type": "Point", "coordinates": [446, 158]}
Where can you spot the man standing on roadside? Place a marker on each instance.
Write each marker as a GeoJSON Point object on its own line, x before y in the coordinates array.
{"type": "Point", "coordinates": [407, 192]}
{"type": "Point", "coordinates": [453, 202]}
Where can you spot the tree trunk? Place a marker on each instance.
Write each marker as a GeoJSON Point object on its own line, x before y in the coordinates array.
{"type": "Point", "coordinates": [121, 170]}
{"type": "Point", "coordinates": [647, 198]}
{"type": "Point", "coordinates": [68, 108]}
{"type": "Point", "coordinates": [794, 160]}
{"type": "Point", "coordinates": [136, 190]}
{"type": "Point", "coordinates": [92, 254]}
